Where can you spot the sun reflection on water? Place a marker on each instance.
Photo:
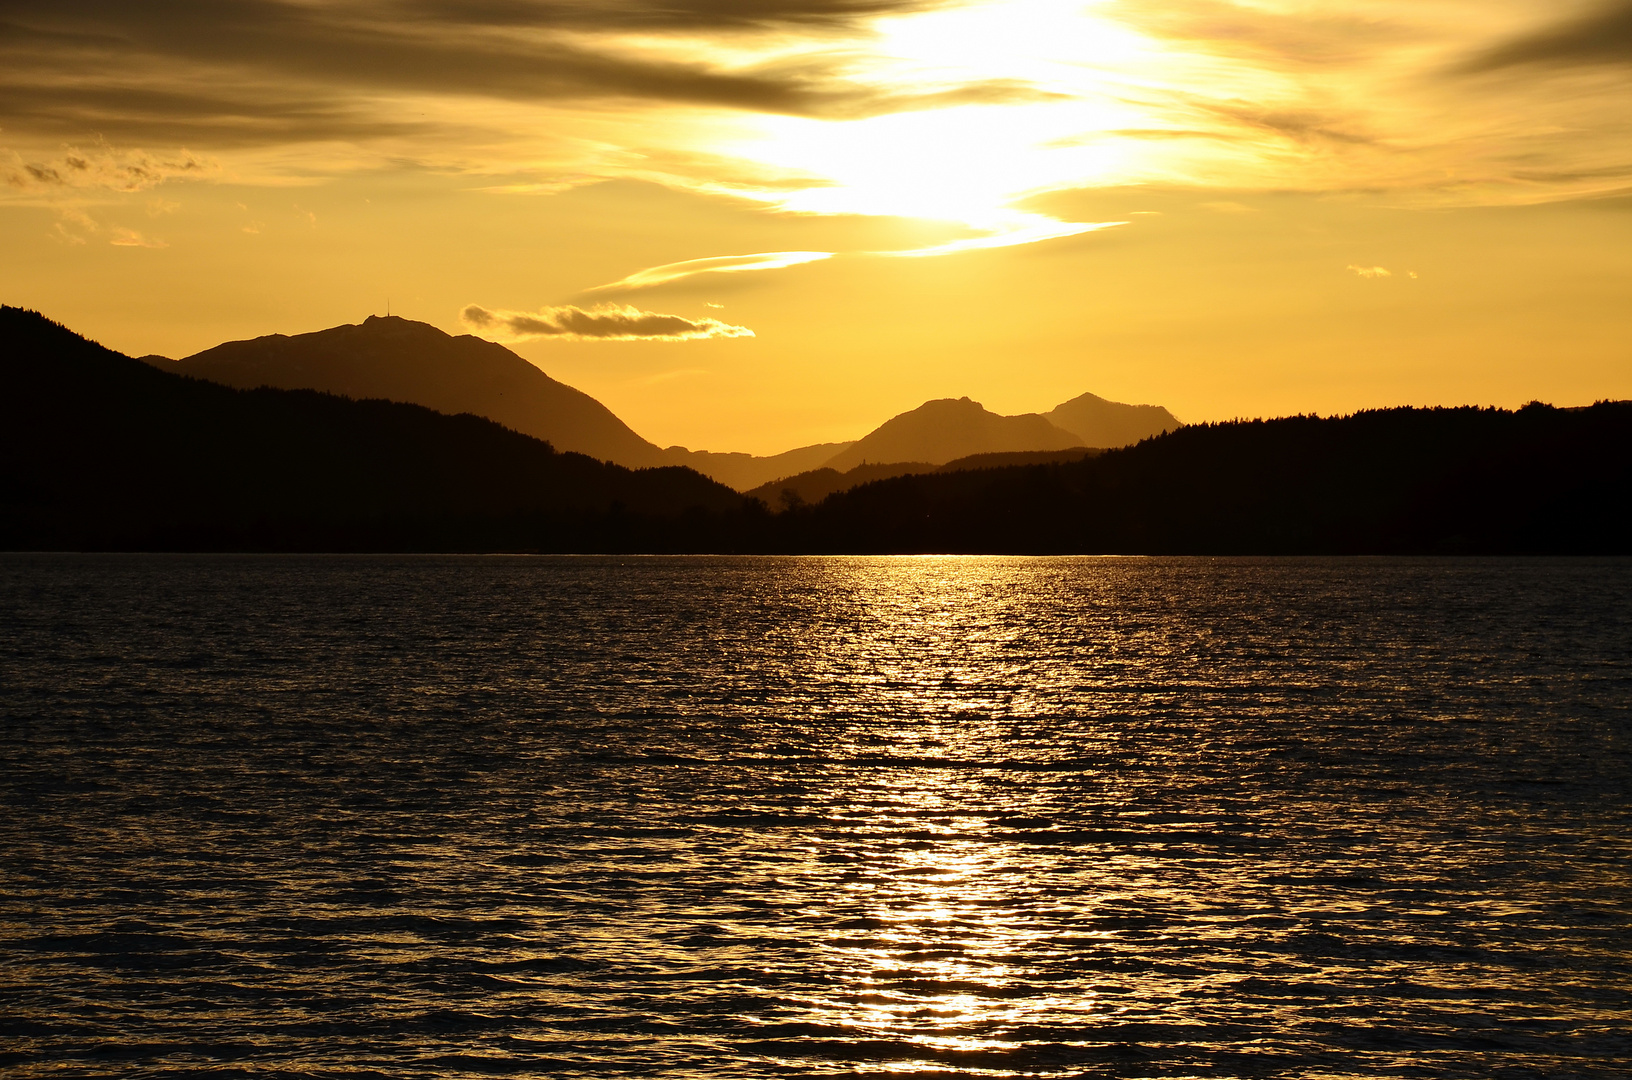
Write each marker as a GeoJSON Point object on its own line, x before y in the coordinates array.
{"type": "Point", "coordinates": [817, 817]}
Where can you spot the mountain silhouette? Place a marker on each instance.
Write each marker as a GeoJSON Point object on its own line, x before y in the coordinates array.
{"type": "Point", "coordinates": [99, 451]}
{"type": "Point", "coordinates": [744, 471]}
{"type": "Point", "coordinates": [1110, 424]}
{"type": "Point", "coordinates": [402, 360]}
{"type": "Point", "coordinates": [818, 484]}
{"type": "Point", "coordinates": [940, 431]}
{"type": "Point", "coordinates": [1445, 480]}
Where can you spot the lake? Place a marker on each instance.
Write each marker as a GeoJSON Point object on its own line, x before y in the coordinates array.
{"type": "Point", "coordinates": [282, 816]}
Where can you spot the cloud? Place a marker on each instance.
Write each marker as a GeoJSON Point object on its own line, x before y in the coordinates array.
{"type": "Point", "coordinates": [104, 167]}
{"type": "Point", "coordinates": [1370, 271]}
{"type": "Point", "coordinates": [123, 237]}
{"type": "Point", "coordinates": [1290, 35]}
{"type": "Point", "coordinates": [607, 322]}
{"type": "Point", "coordinates": [661, 15]}
{"type": "Point", "coordinates": [1604, 37]}
{"type": "Point", "coordinates": [1019, 229]}
{"type": "Point", "coordinates": [541, 95]}
{"type": "Point", "coordinates": [73, 225]}
{"type": "Point", "coordinates": [719, 264]}
{"type": "Point", "coordinates": [239, 70]}
{"type": "Point", "coordinates": [235, 110]}
{"type": "Point", "coordinates": [1299, 125]}
{"type": "Point", "coordinates": [1026, 229]}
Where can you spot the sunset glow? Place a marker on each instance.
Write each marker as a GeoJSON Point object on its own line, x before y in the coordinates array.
{"type": "Point", "coordinates": [808, 538]}
{"type": "Point", "coordinates": [172, 181]}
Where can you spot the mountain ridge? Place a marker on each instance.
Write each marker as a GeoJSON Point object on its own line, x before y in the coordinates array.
{"type": "Point", "coordinates": [400, 359]}
{"type": "Point", "coordinates": [99, 450]}
{"type": "Point", "coordinates": [812, 487]}
{"type": "Point", "coordinates": [944, 429]}
{"type": "Point", "coordinates": [1108, 425]}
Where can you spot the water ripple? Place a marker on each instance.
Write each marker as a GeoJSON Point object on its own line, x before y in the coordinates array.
{"type": "Point", "coordinates": [815, 817]}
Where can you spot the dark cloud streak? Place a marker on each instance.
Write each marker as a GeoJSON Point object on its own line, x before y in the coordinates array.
{"type": "Point", "coordinates": [243, 119]}
{"type": "Point", "coordinates": [683, 15]}
{"type": "Point", "coordinates": [1604, 37]}
{"type": "Point", "coordinates": [332, 47]}
{"type": "Point", "coordinates": [608, 322]}
{"type": "Point", "coordinates": [133, 67]}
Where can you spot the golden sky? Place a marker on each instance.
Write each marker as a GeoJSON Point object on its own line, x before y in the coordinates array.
{"type": "Point", "coordinates": [753, 224]}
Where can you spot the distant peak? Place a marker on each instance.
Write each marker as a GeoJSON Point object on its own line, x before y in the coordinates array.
{"type": "Point", "coordinates": [962, 404]}
{"type": "Point", "coordinates": [379, 323]}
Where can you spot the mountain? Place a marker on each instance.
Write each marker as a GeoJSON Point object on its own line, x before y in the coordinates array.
{"type": "Point", "coordinates": [744, 471]}
{"type": "Point", "coordinates": [1463, 480]}
{"type": "Point", "coordinates": [1110, 424]}
{"type": "Point", "coordinates": [939, 431]}
{"type": "Point", "coordinates": [402, 360]}
{"type": "Point", "coordinates": [100, 451]}
{"type": "Point", "coordinates": [942, 433]}
{"type": "Point", "coordinates": [1017, 457]}
{"type": "Point", "coordinates": [818, 484]}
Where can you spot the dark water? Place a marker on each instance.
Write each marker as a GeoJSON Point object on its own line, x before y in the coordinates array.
{"type": "Point", "coordinates": [815, 817]}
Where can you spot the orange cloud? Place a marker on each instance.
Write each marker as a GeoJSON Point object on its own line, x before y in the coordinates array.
{"type": "Point", "coordinates": [608, 322]}
{"type": "Point", "coordinates": [123, 237]}
{"type": "Point", "coordinates": [719, 264]}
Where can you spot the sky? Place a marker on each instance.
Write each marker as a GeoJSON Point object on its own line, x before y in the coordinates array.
{"type": "Point", "coordinates": [758, 224]}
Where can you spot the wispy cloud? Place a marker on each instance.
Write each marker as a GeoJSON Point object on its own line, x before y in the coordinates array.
{"type": "Point", "coordinates": [606, 322]}
{"type": "Point", "coordinates": [719, 264]}
{"type": "Point", "coordinates": [923, 108]}
{"type": "Point", "coordinates": [1017, 230]}
{"type": "Point", "coordinates": [94, 59]}
{"type": "Point", "coordinates": [102, 166]}
{"type": "Point", "coordinates": [1370, 271]}
{"type": "Point", "coordinates": [1032, 229]}
{"type": "Point", "coordinates": [123, 237]}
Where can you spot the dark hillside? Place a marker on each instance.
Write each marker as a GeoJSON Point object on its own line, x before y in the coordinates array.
{"type": "Point", "coordinates": [98, 450]}
{"type": "Point", "coordinates": [397, 359]}
{"type": "Point", "coordinates": [948, 428]}
{"type": "Point", "coordinates": [818, 484]}
{"type": "Point", "coordinates": [1401, 480]}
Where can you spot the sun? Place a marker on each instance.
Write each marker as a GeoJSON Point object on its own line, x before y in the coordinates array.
{"type": "Point", "coordinates": [1017, 98]}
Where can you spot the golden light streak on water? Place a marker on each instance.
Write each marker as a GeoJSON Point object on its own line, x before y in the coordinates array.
{"type": "Point", "coordinates": [815, 817]}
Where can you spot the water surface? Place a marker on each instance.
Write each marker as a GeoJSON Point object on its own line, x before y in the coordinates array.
{"type": "Point", "coordinates": [693, 817]}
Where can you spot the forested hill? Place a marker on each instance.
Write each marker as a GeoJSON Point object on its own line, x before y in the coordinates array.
{"type": "Point", "coordinates": [402, 360]}
{"type": "Point", "coordinates": [98, 450]}
{"type": "Point", "coordinates": [1399, 480]}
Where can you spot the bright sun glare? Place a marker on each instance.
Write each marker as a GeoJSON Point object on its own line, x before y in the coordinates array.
{"type": "Point", "coordinates": [1056, 77]}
